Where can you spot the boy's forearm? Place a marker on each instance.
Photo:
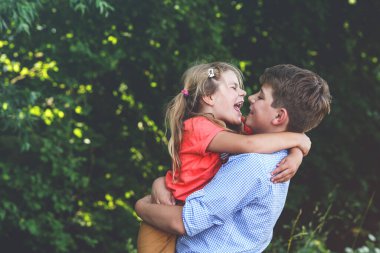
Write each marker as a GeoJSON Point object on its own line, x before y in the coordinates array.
{"type": "Point", "coordinates": [164, 217]}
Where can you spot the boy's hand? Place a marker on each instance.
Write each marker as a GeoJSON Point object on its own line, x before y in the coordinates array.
{"type": "Point", "coordinates": [146, 199]}
{"type": "Point", "coordinates": [288, 167]}
{"type": "Point", "coordinates": [141, 204]}
{"type": "Point", "coordinates": [160, 194]}
{"type": "Point", "coordinates": [305, 144]}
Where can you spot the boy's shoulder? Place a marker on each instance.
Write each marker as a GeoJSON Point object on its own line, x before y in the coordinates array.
{"type": "Point", "coordinates": [260, 156]}
{"type": "Point", "coordinates": [259, 163]}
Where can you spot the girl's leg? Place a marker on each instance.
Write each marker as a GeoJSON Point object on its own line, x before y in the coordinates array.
{"type": "Point", "coordinates": [152, 240]}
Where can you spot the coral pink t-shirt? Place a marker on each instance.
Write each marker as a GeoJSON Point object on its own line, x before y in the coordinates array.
{"type": "Point", "coordinates": [246, 129]}
{"type": "Point", "coordinates": [198, 166]}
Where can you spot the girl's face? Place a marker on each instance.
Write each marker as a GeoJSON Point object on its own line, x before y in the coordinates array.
{"type": "Point", "coordinates": [228, 99]}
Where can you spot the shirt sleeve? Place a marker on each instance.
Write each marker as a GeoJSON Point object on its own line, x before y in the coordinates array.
{"type": "Point", "coordinates": [238, 183]}
{"type": "Point", "coordinates": [202, 132]}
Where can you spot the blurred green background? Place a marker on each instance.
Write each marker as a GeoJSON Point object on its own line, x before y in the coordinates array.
{"type": "Point", "coordinates": [84, 84]}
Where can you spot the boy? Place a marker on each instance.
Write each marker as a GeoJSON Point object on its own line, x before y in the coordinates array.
{"type": "Point", "coordinates": [238, 209]}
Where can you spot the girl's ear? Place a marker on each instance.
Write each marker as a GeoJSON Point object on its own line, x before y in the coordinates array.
{"type": "Point", "coordinates": [209, 100]}
{"type": "Point", "coordinates": [282, 117]}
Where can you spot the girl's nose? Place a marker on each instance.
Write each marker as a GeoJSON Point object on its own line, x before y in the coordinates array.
{"type": "Point", "coordinates": [243, 92]}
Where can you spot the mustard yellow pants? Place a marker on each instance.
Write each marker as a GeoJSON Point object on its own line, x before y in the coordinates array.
{"type": "Point", "coordinates": [153, 240]}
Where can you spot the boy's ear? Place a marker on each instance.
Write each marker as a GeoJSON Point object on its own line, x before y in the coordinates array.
{"type": "Point", "coordinates": [282, 117]}
{"type": "Point", "coordinates": [209, 100]}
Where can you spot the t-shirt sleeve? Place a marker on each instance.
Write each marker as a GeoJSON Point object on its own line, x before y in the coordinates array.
{"type": "Point", "coordinates": [202, 132]}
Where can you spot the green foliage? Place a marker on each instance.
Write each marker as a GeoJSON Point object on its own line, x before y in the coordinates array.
{"type": "Point", "coordinates": [84, 84]}
{"type": "Point", "coordinates": [371, 245]}
{"type": "Point", "coordinates": [313, 237]}
{"type": "Point", "coordinates": [21, 13]}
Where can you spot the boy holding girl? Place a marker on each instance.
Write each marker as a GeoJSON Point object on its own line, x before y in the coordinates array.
{"type": "Point", "coordinates": [237, 210]}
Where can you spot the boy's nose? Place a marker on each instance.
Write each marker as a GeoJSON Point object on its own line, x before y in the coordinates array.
{"type": "Point", "coordinates": [251, 99]}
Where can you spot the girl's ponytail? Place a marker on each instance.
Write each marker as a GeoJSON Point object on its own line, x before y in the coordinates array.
{"type": "Point", "coordinates": [175, 115]}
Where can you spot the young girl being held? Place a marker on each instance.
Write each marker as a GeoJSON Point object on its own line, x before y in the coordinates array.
{"type": "Point", "coordinates": [201, 118]}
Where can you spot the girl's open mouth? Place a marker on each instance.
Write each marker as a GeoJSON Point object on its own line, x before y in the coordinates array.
{"type": "Point", "coordinates": [238, 106]}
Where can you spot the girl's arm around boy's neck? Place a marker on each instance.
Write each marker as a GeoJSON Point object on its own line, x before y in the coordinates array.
{"type": "Point", "coordinates": [233, 143]}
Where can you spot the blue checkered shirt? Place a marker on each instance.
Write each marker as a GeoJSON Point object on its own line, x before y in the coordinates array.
{"type": "Point", "coordinates": [237, 210]}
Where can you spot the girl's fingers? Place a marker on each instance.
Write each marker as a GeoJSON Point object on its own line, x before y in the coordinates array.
{"type": "Point", "coordinates": [282, 162]}
{"type": "Point", "coordinates": [280, 168]}
{"type": "Point", "coordinates": [282, 177]}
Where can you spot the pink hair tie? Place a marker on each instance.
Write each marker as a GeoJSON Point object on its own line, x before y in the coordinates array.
{"type": "Point", "coordinates": [185, 92]}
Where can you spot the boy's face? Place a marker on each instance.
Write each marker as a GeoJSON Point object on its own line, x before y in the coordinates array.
{"type": "Point", "coordinates": [261, 112]}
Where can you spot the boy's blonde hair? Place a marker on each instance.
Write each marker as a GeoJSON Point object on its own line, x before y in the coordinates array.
{"type": "Point", "coordinates": [199, 81]}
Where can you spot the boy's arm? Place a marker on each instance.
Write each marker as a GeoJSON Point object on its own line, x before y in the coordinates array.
{"type": "Point", "coordinates": [288, 167]}
{"type": "Point", "coordinates": [166, 218]}
{"type": "Point", "coordinates": [213, 204]}
{"type": "Point", "coordinates": [228, 142]}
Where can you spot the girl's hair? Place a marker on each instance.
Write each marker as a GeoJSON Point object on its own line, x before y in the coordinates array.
{"type": "Point", "coordinates": [198, 81]}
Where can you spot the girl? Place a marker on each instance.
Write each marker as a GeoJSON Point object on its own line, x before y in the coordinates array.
{"type": "Point", "coordinates": [201, 118]}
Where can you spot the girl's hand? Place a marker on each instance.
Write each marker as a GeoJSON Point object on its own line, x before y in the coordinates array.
{"type": "Point", "coordinates": [305, 144]}
{"type": "Point", "coordinates": [288, 167]}
{"type": "Point", "coordinates": [160, 194]}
